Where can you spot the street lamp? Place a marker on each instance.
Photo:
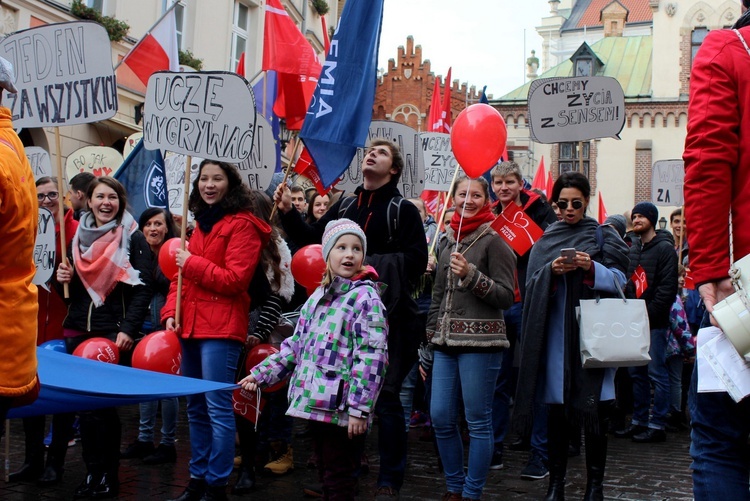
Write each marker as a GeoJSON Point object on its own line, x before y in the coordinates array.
{"type": "Point", "coordinates": [663, 223]}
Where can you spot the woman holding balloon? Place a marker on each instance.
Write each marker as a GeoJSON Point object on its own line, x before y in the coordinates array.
{"type": "Point", "coordinates": [110, 289]}
{"type": "Point", "coordinates": [225, 249]}
{"type": "Point", "coordinates": [158, 227]}
{"type": "Point", "coordinates": [465, 328]}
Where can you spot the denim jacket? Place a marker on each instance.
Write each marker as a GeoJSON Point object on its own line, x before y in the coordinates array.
{"type": "Point", "coordinates": [337, 354]}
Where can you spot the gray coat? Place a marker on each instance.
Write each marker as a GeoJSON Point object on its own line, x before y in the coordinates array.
{"type": "Point", "coordinates": [469, 312]}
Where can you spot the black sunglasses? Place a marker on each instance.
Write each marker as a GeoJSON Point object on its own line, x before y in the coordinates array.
{"type": "Point", "coordinates": [563, 204]}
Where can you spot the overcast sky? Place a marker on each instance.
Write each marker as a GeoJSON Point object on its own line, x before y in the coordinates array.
{"type": "Point", "coordinates": [483, 40]}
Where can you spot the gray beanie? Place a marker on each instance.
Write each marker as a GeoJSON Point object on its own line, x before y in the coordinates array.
{"type": "Point", "coordinates": [617, 222]}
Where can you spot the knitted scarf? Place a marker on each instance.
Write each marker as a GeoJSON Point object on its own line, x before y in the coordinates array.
{"type": "Point", "coordinates": [209, 217]}
{"type": "Point", "coordinates": [581, 387]}
{"type": "Point", "coordinates": [101, 255]}
{"type": "Point", "coordinates": [470, 224]}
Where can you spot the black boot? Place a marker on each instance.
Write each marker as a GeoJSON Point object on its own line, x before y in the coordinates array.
{"type": "Point", "coordinates": [86, 487]}
{"type": "Point", "coordinates": [33, 462]}
{"type": "Point", "coordinates": [28, 471]}
{"type": "Point", "coordinates": [215, 493]}
{"type": "Point", "coordinates": [596, 457]}
{"type": "Point", "coordinates": [51, 475]}
{"type": "Point", "coordinates": [557, 450]}
{"type": "Point", "coordinates": [194, 491]}
{"type": "Point", "coordinates": [245, 480]}
{"type": "Point", "coordinates": [108, 487]}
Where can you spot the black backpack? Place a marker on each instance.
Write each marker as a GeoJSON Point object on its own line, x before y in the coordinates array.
{"type": "Point", "coordinates": [393, 214]}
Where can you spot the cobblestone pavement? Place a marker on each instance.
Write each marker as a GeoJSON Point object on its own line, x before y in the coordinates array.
{"type": "Point", "coordinates": [634, 472]}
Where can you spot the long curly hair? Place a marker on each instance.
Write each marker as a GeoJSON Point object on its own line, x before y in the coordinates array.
{"type": "Point", "coordinates": [270, 258]}
{"type": "Point", "coordinates": [237, 197]}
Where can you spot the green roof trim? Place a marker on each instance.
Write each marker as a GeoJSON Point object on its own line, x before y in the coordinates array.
{"type": "Point", "coordinates": [627, 59]}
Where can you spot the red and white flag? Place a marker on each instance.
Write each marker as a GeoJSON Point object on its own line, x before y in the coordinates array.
{"type": "Point", "coordinates": [435, 123]}
{"type": "Point", "coordinates": [517, 229]}
{"type": "Point", "coordinates": [156, 51]}
{"type": "Point", "coordinates": [640, 281]}
{"type": "Point", "coordinates": [602, 210]}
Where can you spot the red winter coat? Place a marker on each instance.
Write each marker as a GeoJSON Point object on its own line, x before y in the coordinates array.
{"type": "Point", "coordinates": [717, 154]}
{"type": "Point", "coordinates": [215, 302]}
{"type": "Point", "coordinates": [52, 308]}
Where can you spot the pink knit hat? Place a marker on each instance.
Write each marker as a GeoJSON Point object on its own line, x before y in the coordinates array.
{"type": "Point", "coordinates": [336, 229]}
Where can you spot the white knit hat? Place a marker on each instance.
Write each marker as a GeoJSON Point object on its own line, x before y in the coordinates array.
{"type": "Point", "coordinates": [336, 229]}
{"type": "Point", "coordinates": [7, 76]}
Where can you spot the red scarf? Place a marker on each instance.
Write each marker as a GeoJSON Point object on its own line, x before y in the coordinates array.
{"type": "Point", "coordinates": [470, 224]}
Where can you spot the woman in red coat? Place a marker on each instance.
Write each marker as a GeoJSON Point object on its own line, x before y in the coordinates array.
{"type": "Point", "coordinates": [224, 251]}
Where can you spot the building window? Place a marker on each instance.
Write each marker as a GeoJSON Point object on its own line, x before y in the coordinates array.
{"type": "Point", "coordinates": [696, 39]}
{"type": "Point", "coordinates": [179, 17]}
{"type": "Point", "coordinates": [569, 159]}
{"type": "Point", "coordinates": [240, 22]}
{"type": "Point", "coordinates": [97, 5]}
{"type": "Point", "coordinates": [583, 67]}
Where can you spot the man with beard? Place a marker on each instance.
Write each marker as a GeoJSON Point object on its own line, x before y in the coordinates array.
{"type": "Point", "coordinates": [652, 277]}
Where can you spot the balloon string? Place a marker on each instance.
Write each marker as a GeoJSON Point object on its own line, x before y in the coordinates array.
{"type": "Point", "coordinates": [257, 407]}
{"type": "Point", "coordinates": [461, 220]}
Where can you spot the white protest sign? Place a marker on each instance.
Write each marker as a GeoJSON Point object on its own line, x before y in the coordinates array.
{"type": "Point", "coordinates": [439, 163]}
{"type": "Point", "coordinates": [411, 182]}
{"type": "Point", "coordinates": [39, 160]}
{"type": "Point", "coordinates": [667, 179]}
{"type": "Point", "coordinates": [44, 248]}
{"type": "Point", "coordinates": [575, 109]}
{"type": "Point", "coordinates": [174, 167]}
{"type": "Point", "coordinates": [207, 114]}
{"type": "Point", "coordinates": [64, 75]}
{"type": "Point", "coordinates": [257, 169]}
{"type": "Point", "coordinates": [98, 160]}
{"type": "Point", "coordinates": [130, 143]}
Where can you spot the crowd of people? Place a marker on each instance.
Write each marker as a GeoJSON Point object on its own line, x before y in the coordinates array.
{"type": "Point", "coordinates": [445, 324]}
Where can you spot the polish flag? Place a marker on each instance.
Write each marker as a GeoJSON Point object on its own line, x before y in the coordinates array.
{"type": "Point", "coordinates": [540, 178]}
{"type": "Point", "coordinates": [156, 51]}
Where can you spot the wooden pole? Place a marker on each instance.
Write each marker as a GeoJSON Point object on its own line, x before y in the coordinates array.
{"type": "Point", "coordinates": [580, 158]}
{"type": "Point", "coordinates": [297, 142]}
{"type": "Point", "coordinates": [183, 234]}
{"type": "Point", "coordinates": [61, 205]}
{"type": "Point", "coordinates": [445, 208]}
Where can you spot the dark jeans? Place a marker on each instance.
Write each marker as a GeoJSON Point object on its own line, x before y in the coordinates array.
{"type": "Point", "coordinates": [62, 433]}
{"type": "Point", "coordinates": [719, 448]}
{"type": "Point", "coordinates": [391, 440]}
{"type": "Point", "coordinates": [338, 459]}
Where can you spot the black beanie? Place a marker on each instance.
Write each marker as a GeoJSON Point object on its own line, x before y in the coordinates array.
{"type": "Point", "coordinates": [647, 210]}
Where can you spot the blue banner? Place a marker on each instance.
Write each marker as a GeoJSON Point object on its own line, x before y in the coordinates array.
{"type": "Point", "coordinates": [71, 383]}
{"type": "Point", "coordinates": [339, 116]}
{"type": "Point", "coordinates": [142, 174]}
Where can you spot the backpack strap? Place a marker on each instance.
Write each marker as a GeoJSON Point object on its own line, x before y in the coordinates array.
{"type": "Point", "coordinates": [346, 202]}
{"type": "Point", "coordinates": [394, 206]}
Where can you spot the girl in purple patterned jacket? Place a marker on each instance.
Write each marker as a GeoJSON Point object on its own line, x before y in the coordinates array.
{"type": "Point", "coordinates": [336, 357]}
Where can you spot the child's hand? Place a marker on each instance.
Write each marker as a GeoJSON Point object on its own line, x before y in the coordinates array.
{"type": "Point", "coordinates": [357, 426]}
{"type": "Point", "coordinates": [249, 383]}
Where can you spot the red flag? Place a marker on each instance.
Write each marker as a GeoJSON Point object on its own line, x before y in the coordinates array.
{"type": "Point", "coordinates": [326, 40]}
{"type": "Point", "coordinates": [306, 167]}
{"type": "Point", "coordinates": [433, 120]}
{"type": "Point", "coordinates": [517, 229]}
{"type": "Point", "coordinates": [447, 114]}
{"type": "Point", "coordinates": [550, 184]}
{"type": "Point", "coordinates": [640, 281]}
{"type": "Point", "coordinates": [540, 178]}
{"type": "Point", "coordinates": [156, 51]}
{"type": "Point", "coordinates": [602, 210]}
{"type": "Point", "coordinates": [241, 66]}
{"type": "Point", "coordinates": [689, 281]}
{"type": "Point", "coordinates": [287, 51]}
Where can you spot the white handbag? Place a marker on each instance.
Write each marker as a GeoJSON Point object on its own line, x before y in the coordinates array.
{"type": "Point", "coordinates": [614, 332]}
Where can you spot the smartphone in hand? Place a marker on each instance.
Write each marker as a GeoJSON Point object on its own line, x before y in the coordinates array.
{"type": "Point", "coordinates": [568, 255]}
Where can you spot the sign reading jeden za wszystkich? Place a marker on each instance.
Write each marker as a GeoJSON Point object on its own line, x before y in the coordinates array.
{"type": "Point", "coordinates": [208, 114]}
{"type": "Point", "coordinates": [575, 109]}
{"type": "Point", "coordinates": [64, 75]}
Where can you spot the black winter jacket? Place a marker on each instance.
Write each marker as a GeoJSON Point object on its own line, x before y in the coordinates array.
{"type": "Point", "coordinates": [659, 261]}
{"type": "Point", "coordinates": [399, 263]}
{"type": "Point", "coordinates": [126, 306]}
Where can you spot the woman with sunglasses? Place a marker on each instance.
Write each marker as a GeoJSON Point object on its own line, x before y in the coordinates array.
{"type": "Point", "coordinates": [575, 259]}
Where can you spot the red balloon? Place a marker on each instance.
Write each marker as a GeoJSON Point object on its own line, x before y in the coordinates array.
{"type": "Point", "coordinates": [478, 138]}
{"type": "Point", "coordinates": [167, 260]}
{"type": "Point", "coordinates": [259, 353]}
{"type": "Point", "coordinates": [159, 351]}
{"type": "Point", "coordinates": [308, 266]}
{"type": "Point", "coordinates": [98, 348]}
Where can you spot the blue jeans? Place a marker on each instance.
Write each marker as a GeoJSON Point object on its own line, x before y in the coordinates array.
{"type": "Point", "coordinates": [210, 414]}
{"type": "Point", "coordinates": [169, 409]}
{"type": "Point", "coordinates": [721, 456]}
{"type": "Point", "coordinates": [674, 367]}
{"type": "Point", "coordinates": [472, 375]}
{"type": "Point", "coordinates": [407, 393]}
{"type": "Point", "coordinates": [643, 377]}
{"type": "Point", "coordinates": [391, 440]}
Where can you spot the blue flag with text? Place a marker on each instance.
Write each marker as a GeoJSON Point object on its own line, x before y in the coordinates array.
{"type": "Point", "coordinates": [340, 112]}
{"type": "Point", "coordinates": [143, 176]}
